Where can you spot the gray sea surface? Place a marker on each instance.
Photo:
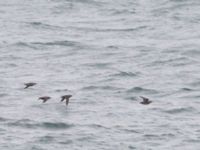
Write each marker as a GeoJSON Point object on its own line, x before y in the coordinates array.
{"type": "Point", "coordinates": [106, 53]}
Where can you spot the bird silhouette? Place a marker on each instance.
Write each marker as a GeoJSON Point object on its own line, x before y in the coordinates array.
{"type": "Point", "coordinates": [145, 101]}
{"type": "Point", "coordinates": [27, 85]}
{"type": "Point", "coordinates": [65, 97]}
{"type": "Point", "coordinates": [44, 98]}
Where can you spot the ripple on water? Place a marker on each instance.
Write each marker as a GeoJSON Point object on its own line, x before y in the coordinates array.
{"type": "Point", "coordinates": [52, 138]}
{"type": "Point", "coordinates": [24, 45]}
{"type": "Point", "coordinates": [36, 147]}
{"type": "Point", "coordinates": [3, 95]}
{"type": "Point", "coordinates": [134, 98]}
{"type": "Point", "coordinates": [57, 125]}
{"type": "Point", "coordinates": [195, 83]}
{"type": "Point", "coordinates": [44, 25]}
{"type": "Point", "coordinates": [58, 43]}
{"type": "Point", "coordinates": [26, 123]}
{"type": "Point", "coordinates": [99, 65]}
{"type": "Point", "coordinates": [142, 90]}
{"type": "Point", "coordinates": [186, 89]}
{"type": "Point", "coordinates": [125, 74]}
{"type": "Point", "coordinates": [3, 119]}
{"type": "Point", "coordinates": [61, 90]}
{"type": "Point", "coordinates": [96, 126]}
{"type": "Point", "coordinates": [103, 88]}
{"type": "Point", "coordinates": [46, 139]}
{"type": "Point", "coordinates": [180, 110]}
{"type": "Point", "coordinates": [132, 147]}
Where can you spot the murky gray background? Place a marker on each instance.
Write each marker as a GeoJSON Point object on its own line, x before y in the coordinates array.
{"type": "Point", "coordinates": [106, 54]}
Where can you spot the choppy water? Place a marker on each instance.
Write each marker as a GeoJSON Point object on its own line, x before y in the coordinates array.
{"type": "Point", "coordinates": [106, 54]}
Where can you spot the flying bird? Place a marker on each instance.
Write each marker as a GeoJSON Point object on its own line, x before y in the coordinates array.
{"type": "Point", "coordinates": [27, 85]}
{"type": "Point", "coordinates": [44, 98]}
{"type": "Point", "coordinates": [145, 101]}
{"type": "Point", "coordinates": [65, 97]}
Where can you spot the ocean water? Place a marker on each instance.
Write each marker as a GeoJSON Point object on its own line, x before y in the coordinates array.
{"type": "Point", "coordinates": [106, 54]}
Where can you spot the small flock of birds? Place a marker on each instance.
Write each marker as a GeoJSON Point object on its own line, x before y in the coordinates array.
{"type": "Point", "coordinates": [66, 98]}
{"type": "Point", "coordinates": [46, 98]}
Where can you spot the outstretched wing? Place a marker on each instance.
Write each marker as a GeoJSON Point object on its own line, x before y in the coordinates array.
{"type": "Point", "coordinates": [67, 101]}
{"type": "Point", "coordinates": [144, 99]}
{"type": "Point", "coordinates": [62, 99]}
{"type": "Point", "coordinates": [29, 84]}
{"type": "Point", "coordinates": [26, 86]}
{"type": "Point", "coordinates": [44, 100]}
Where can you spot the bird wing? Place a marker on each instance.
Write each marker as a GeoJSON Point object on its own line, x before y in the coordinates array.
{"type": "Point", "coordinates": [26, 86]}
{"type": "Point", "coordinates": [62, 99]}
{"type": "Point", "coordinates": [144, 98]}
{"type": "Point", "coordinates": [44, 100]}
{"type": "Point", "coordinates": [67, 101]}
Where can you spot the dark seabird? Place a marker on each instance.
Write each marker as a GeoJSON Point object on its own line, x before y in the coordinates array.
{"type": "Point", "coordinates": [29, 84]}
{"type": "Point", "coordinates": [145, 100]}
{"type": "Point", "coordinates": [65, 97]}
{"type": "Point", "coordinates": [44, 98]}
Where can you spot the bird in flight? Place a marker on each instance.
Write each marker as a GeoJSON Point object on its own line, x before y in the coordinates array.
{"type": "Point", "coordinates": [145, 101]}
{"type": "Point", "coordinates": [65, 97]}
{"type": "Point", "coordinates": [44, 98]}
{"type": "Point", "coordinates": [27, 85]}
